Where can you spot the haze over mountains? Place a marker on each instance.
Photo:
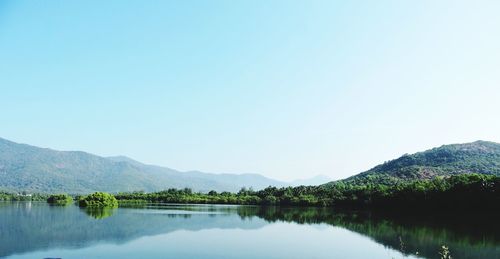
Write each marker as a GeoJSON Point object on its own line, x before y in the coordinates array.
{"type": "Point", "coordinates": [33, 169]}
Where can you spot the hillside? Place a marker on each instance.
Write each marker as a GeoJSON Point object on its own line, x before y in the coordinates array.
{"type": "Point", "coordinates": [28, 168]}
{"type": "Point", "coordinates": [477, 157]}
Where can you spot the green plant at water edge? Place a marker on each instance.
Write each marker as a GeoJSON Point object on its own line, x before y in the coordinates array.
{"type": "Point", "coordinates": [59, 199]}
{"type": "Point", "coordinates": [401, 245]}
{"type": "Point", "coordinates": [98, 200]}
{"type": "Point", "coordinates": [445, 252]}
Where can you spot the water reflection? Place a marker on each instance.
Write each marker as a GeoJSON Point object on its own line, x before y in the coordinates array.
{"type": "Point", "coordinates": [99, 213]}
{"type": "Point", "coordinates": [36, 226]}
{"type": "Point", "coordinates": [29, 227]}
{"type": "Point", "coordinates": [467, 235]}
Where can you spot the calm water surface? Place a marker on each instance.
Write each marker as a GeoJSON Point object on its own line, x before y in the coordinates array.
{"type": "Point", "coordinates": [37, 230]}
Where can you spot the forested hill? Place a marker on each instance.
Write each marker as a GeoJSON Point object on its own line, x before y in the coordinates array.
{"type": "Point", "coordinates": [477, 157]}
{"type": "Point", "coordinates": [33, 169]}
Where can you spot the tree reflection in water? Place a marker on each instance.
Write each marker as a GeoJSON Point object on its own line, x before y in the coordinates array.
{"type": "Point", "coordinates": [99, 213]}
{"type": "Point", "coordinates": [466, 235]}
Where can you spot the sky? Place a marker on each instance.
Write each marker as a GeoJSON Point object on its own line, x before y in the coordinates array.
{"type": "Point", "coordinates": [287, 89]}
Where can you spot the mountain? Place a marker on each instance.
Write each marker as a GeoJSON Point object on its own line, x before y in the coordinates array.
{"type": "Point", "coordinates": [33, 169]}
{"type": "Point", "coordinates": [477, 157]}
{"type": "Point", "coordinates": [204, 181]}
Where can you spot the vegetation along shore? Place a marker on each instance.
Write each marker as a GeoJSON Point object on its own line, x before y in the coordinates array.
{"type": "Point", "coordinates": [463, 191]}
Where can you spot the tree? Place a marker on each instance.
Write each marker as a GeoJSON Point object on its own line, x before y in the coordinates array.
{"type": "Point", "coordinates": [98, 199]}
{"type": "Point", "coordinates": [59, 199]}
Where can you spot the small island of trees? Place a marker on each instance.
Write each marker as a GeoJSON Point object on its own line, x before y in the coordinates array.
{"type": "Point", "coordinates": [59, 199]}
{"type": "Point", "coordinates": [98, 200]}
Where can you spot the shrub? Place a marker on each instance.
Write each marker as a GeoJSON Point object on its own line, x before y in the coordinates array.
{"type": "Point", "coordinates": [59, 199]}
{"type": "Point", "coordinates": [98, 200]}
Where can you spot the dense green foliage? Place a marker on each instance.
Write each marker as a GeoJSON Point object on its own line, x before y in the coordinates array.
{"type": "Point", "coordinates": [60, 199]}
{"type": "Point", "coordinates": [477, 157]}
{"type": "Point", "coordinates": [98, 200]}
{"type": "Point", "coordinates": [455, 192]}
{"type": "Point", "coordinates": [466, 191]}
{"type": "Point", "coordinates": [7, 196]}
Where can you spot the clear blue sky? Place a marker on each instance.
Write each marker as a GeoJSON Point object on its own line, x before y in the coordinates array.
{"type": "Point", "coordinates": [288, 89]}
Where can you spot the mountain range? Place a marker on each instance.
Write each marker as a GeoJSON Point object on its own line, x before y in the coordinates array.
{"type": "Point", "coordinates": [33, 169]}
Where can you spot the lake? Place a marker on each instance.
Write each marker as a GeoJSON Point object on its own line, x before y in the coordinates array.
{"type": "Point", "coordinates": [37, 230]}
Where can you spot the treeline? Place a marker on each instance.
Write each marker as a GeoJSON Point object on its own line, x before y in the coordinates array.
{"type": "Point", "coordinates": [466, 191]}
{"type": "Point", "coordinates": [7, 196]}
{"type": "Point", "coordinates": [59, 199]}
{"type": "Point", "coordinates": [456, 192]}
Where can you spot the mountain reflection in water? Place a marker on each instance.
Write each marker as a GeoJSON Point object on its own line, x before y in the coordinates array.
{"type": "Point", "coordinates": [29, 226]}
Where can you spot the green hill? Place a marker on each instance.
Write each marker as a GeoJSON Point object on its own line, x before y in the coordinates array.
{"type": "Point", "coordinates": [33, 169]}
{"type": "Point", "coordinates": [477, 157]}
